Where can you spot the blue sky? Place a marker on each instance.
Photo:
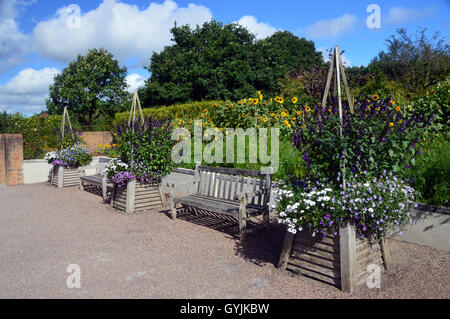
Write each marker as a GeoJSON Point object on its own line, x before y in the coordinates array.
{"type": "Point", "coordinates": [38, 38]}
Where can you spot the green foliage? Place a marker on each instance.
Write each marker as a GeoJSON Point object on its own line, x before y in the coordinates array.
{"type": "Point", "coordinates": [90, 87]}
{"type": "Point", "coordinates": [432, 169]}
{"type": "Point", "coordinates": [145, 148]}
{"type": "Point", "coordinates": [224, 62]}
{"type": "Point", "coordinates": [184, 111]}
{"type": "Point", "coordinates": [418, 62]}
{"type": "Point", "coordinates": [380, 136]}
{"type": "Point", "coordinates": [38, 134]}
{"type": "Point", "coordinates": [436, 102]}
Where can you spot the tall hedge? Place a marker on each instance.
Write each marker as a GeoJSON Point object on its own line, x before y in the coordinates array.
{"type": "Point", "coordinates": [185, 111]}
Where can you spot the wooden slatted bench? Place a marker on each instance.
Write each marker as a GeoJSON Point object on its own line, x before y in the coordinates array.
{"type": "Point", "coordinates": [237, 193]}
{"type": "Point", "coordinates": [99, 179]}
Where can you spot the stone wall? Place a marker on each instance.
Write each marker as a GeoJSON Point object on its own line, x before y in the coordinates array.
{"type": "Point", "coordinates": [11, 159]}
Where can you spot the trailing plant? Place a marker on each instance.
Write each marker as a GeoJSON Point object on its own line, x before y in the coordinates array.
{"type": "Point", "coordinates": [74, 156]}
{"type": "Point", "coordinates": [376, 206]}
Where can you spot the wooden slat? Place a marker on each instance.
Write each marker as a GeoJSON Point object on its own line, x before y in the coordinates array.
{"type": "Point", "coordinates": [230, 171]}
{"type": "Point", "coordinates": [317, 246]}
{"type": "Point", "coordinates": [326, 260]}
{"type": "Point", "coordinates": [326, 276]}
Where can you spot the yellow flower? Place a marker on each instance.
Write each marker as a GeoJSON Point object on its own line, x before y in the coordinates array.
{"type": "Point", "coordinates": [428, 93]}
{"type": "Point", "coordinates": [299, 112]}
{"type": "Point", "coordinates": [391, 124]}
{"type": "Point", "coordinates": [307, 108]}
{"type": "Point", "coordinates": [244, 115]}
{"type": "Point", "coordinates": [375, 97]}
{"type": "Point", "coordinates": [203, 115]}
{"type": "Point", "coordinates": [205, 111]}
{"type": "Point", "coordinates": [286, 122]}
{"type": "Point", "coordinates": [260, 96]}
{"type": "Point", "coordinates": [272, 114]}
{"type": "Point", "coordinates": [270, 100]}
{"type": "Point", "coordinates": [288, 125]}
{"type": "Point", "coordinates": [294, 99]}
{"type": "Point", "coordinates": [264, 119]}
{"type": "Point", "coordinates": [392, 101]}
{"type": "Point", "coordinates": [330, 109]}
{"type": "Point", "coordinates": [397, 108]}
{"type": "Point", "coordinates": [279, 99]}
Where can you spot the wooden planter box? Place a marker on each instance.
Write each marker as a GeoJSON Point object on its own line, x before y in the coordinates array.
{"type": "Point", "coordinates": [137, 197]}
{"type": "Point", "coordinates": [340, 260]}
{"type": "Point", "coordinates": [65, 177]}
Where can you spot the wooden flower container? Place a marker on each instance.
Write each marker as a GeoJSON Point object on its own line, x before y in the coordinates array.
{"type": "Point", "coordinates": [137, 197]}
{"type": "Point", "coordinates": [340, 260]}
{"type": "Point", "coordinates": [65, 177]}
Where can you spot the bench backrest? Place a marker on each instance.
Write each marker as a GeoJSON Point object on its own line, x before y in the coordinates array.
{"type": "Point", "coordinates": [102, 161]}
{"type": "Point", "coordinates": [225, 183]}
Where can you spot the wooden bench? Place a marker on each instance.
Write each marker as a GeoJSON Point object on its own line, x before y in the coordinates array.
{"type": "Point", "coordinates": [237, 193]}
{"type": "Point", "coordinates": [99, 179]}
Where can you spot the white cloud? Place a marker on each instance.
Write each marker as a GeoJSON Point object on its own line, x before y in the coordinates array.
{"type": "Point", "coordinates": [134, 81]}
{"type": "Point", "coordinates": [400, 15]}
{"type": "Point", "coordinates": [125, 30]}
{"type": "Point", "coordinates": [14, 44]}
{"type": "Point", "coordinates": [331, 29]}
{"type": "Point", "coordinates": [27, 91]}
{"type": "Point", "coordinates": [260, 29]}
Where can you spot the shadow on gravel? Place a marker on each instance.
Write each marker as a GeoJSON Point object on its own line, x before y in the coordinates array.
{"type": "Point", "coordinates": [261, 247]}
{"type": "Point", "coordinates": [264, 246]}
{"type": "Point", "coordinates": [217, 222]}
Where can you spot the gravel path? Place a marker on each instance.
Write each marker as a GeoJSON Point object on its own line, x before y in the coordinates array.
{"type": "Point", "coordinates": [147, 255]}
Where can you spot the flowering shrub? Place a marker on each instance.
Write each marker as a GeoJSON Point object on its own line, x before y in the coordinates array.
{"type": "Point", "coordinates": [379, 136]}
{"type": "Point", "coordinates": [51, 156]}
{"type": "Point", "coordinates": [74, 156]}
{"type": "Point", "coordinates": [375, 206]}
{"type": "Point", "coordinates": [122, 178]}
{"type": "Point", "coordinates": [115, 166]}
{"type": "Point", "coordinates": [146, 150]}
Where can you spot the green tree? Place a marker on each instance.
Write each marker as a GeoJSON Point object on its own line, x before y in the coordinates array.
{"type": "Point", "coordinates": [90, 87]}
{"type": "Point", "coordinates": [418, 61]}
{"type": "Point", "coordinates": [221, 62]}
{"type": "Point", "coordinates": [208, 62]}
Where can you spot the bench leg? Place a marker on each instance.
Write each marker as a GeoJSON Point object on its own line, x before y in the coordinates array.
{"type": "Point", "coordinates": [104, 188]}
{"type": "Point", "coordinates": [242, 218]}
{"type": "Point", "coordinates": [81, 185]}
{"type": "Point", "coordinates": [173, 210]}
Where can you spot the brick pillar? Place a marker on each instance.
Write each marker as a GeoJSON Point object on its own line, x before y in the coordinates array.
{"type": "Point", "coordinates": [2, 160]}
{"type": "Point", "coordinates": [13, 158]}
